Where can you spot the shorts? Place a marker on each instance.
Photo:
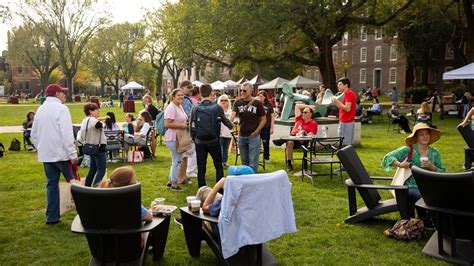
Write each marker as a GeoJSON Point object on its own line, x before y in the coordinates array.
{"type": "Point", "coordinates": [346, 130]}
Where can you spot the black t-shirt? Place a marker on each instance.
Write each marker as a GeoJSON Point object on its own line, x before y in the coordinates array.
{"type": "Point", "coordinates": [153, 111]}
{"type": "Point", "coordinates": [268, 113]}
{"type": "Point", "coordinates": [249, 115]}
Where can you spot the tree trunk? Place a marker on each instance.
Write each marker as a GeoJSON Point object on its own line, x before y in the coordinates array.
{"type": "Point", "coordinates": [326, 66]}
{"type": "Point", "coordinates": [70, 86]}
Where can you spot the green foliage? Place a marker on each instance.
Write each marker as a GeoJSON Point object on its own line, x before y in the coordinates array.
{"type": "Point", "coordinates": [418, 94]}
{"type": "Point", "coordinates": [457, 89]}
{"type": "Point", "coordinates": [322, 237]}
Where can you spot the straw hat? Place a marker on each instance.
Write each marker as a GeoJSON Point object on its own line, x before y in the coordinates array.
{"type": "Point", "coordinates": [434, 134]}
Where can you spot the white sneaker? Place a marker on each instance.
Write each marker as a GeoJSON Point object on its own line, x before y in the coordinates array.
{"type": "Point", "coordinates": [191, 174]}
{"type": "Point", "coordinates": [267, 161]}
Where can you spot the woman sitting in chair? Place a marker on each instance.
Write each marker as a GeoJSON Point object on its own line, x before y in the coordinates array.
{"type": "Point", "coordinates": [374, 110]}
{"type": "Point", "coordinates": [422, 155]}
{"type": "Point", "coordinates": [140, 131]}
{"type": "Point", "coordinates": [304, 125]}
{"type": "Point", "coordinates": [423, 114]}
{"type": "Point", "coordinates": [397, 118]}
{"type": "Point", "coordinates": [27, 125]}
{"type": "Point", "coordinates": [125, 176]}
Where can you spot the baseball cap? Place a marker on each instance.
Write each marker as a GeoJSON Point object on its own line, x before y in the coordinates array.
{"type": "Point", "coordinates": [53, 88]}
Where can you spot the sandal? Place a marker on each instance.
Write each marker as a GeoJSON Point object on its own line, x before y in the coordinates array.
{"type": "Point", "coordinates": [186, 182]}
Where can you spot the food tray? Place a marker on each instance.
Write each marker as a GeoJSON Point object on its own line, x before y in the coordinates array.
{"type": "Point", "coordinates": [163, 209]}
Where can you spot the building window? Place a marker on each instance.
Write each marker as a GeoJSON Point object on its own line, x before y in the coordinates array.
{"type": "Point", "coordinates": [20, 70]}
{"type": "Point", "coordinates": [378, 34]}
{"type": "Point", "coordinates": [334, 56]}
{"type": "Point", "coordinates": [344, 55]}
{"type": "Point", "coordinates": [363, 33]}
{"type": "Point", "coordinates": [363, 54]}
{"type": "Point", "coordinates": [392, 76]}
{"type": "Point", "coordinates": [362, 75]}
{"type": "Point", "coordinates": [345, 38]}
{"type": "Point", "coordinates": [449, 51]}
{"type": "Point", "coordinates": [378, 54]}
{"type": "Point", "coordinates": [418, 75]}
{"type": "Point", "coordinates": [432, 75]}
{"type": "Point", "coordinates": [393, 52]}
{"type": "Point", "coordinates": [448, 81]}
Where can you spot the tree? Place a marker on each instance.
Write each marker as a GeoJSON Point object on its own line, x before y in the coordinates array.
{"type": "Point", "coordinates": [273, 31]}
{"type": "Point", "coordinates": [70, 23]}
{"type": "Point", "coordinates": [115, 52]}
{"type": "Point", "coordinates": [174, 69]}
{"type": "Point", "coordinates": [30, 46]}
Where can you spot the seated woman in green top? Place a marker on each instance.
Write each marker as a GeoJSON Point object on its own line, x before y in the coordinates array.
{"type": "Point", "coordinates": [423, 156]}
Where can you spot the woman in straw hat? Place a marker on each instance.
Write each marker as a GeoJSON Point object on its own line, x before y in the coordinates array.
{"type": "Point", "coordinates": [423, 156]}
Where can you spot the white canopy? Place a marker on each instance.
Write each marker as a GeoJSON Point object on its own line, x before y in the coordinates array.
{"type": "Point", "coordinates": [197, 83]}
{"type": "Point", "coordinates": [215, 84]}
{"type": "Point", "coordinates": [229, 84]}
{"type": "Point", "coordinates": [302, 82]}
{"type": "Point", "coordinates": [273, 84]}
{"type": "Point", "coordinates": [132, 86]}
{"type": "Point", "coordinates": [465, 72]}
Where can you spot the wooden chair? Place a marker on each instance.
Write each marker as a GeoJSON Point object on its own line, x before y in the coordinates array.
{"type": "Point", "coordinates": [320, 151]}
{"type": "Point", "coordinates": [360, 180]}
{"type": "Point", "coordinates": [449, 199]}
{"type": "Point", "coordinates": [111, 220]}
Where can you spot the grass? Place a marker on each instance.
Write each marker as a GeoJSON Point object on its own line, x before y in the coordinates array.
{"type": "Point", "coordinates": [320, 209]}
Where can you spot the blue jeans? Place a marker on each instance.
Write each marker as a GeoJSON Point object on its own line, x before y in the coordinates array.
{"type": "Point", "coordinates": [225, 142]}
{"type": "Point", "coordinates": [96, 168]}
{"type": "Point", "coordinates": [175, 163]}
{"type": "Point", "coordinates": [249, 148]}
{"type": "Point", "coordinates": [413, 196]}
{"type": "Point", "coordinates": [53, 171]}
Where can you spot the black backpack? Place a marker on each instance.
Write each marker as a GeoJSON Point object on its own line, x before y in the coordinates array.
{"type": "Point", "coordinates": [15, 145]}
{"type": "Point", "coordinates": [2, 149]}
{"type": "Point", "coordinates": [206, 123]}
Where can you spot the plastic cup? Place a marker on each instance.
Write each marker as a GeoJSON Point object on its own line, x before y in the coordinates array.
{"type": "Point", "coordinates": [189, 199]}
{"type": "Point", "coordinates": [424, 159]}
{"type": "Point", "coordinates": [195, 206]}
{"type": "Point", "coordinates": [159, 201]}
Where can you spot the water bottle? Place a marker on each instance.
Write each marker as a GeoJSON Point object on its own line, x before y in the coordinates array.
{"type": "Point", "coordinates": [325, 132]}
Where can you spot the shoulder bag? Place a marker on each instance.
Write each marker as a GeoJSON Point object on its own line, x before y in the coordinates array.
{"type": "Point", "coordinates": [87, 148]}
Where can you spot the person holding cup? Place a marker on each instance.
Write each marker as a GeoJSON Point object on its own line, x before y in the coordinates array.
{"type": "Point", "coordinates": [423, 156]}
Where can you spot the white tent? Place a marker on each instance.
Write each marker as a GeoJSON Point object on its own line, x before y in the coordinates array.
{"type": "Point", "coordinates": [132, 86]}
{"type": "Point", "coordinates": [302, 82]}
{"type": "Point", "coordinates": [215, 84]}
{"type": "Point", "coordinates": [465, 72]}
{"type": "Point", "coordinates": [197, 83]}
{"type": "Point", "coordinates": [273, 84]}
{"type": "Point", "coordinates": [227, 85]}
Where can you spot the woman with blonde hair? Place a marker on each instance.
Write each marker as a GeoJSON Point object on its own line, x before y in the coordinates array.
{"type": "Point", "coordinates": [423, 114]}
{"type": "Point", "coordinates": [125, 176]}
{"type": "Point", "coordinates": [226, 133]}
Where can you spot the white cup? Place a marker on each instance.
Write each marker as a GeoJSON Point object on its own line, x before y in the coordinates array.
{"type": "Point", "coordinates": [195, 206]}
{"type": "Point", "coordinates": [189, 199]}
{"type": "Point", "coordinates": [424, 159]}
{"type": "Point", "coordinates": [159, 201]}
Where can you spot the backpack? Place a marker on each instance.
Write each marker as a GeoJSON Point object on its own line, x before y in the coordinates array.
{"type": "Point", "coordinates": [206, 123]}
{"type": "Point", "coordinates": [2, 149]}
{"type": "Point", "coordinates": [406, 229]}
{"type": "Point", "coordinates": [160, 124]}
{"type": "Point", "coordinates": [15, 145]}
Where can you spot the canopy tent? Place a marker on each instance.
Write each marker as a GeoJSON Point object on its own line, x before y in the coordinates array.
{"type": "Point", "coordinates": [258, 80]}
{"type": "Point", "coordinates": [215, 84]}
{"type": "Point", "coordinates": [132, 86]}
{"type": "Point", "coordinates": [197, 83]}
{"type": "Point", "coordinates": [242, 80]}
{"type": "Point", "coordinates": [465, 72]}
{"type": "Point", "coordinates": [273, 84]}
{"type": "Point", "coordinates": [229, 84]}
{"type": "Point", "coordinates": [302, 82]}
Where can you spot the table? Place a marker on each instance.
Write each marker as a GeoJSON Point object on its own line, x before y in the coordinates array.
{"type": "Point", "coordinates": [14, 100]}
{"type": "Point", "coordinates": [296, 138]}
{"type": "Point", "coordinates": [129, 106]}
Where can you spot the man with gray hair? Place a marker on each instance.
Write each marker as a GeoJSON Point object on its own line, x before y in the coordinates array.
{"type": "Point", "coordinates": [252, 119]}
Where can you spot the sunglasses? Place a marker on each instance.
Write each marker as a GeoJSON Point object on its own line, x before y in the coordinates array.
{"type": "Point", "coordinates": [243, 90]}
{"type": "Point", "coordinates": [224, 100]}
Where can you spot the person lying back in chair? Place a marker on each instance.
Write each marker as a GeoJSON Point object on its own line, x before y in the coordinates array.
{"type": "Point", "coordinates": [121, 177]}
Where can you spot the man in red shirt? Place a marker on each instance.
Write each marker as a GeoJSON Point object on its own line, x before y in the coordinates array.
{"type": "Point", "coordinates": [347, 111]}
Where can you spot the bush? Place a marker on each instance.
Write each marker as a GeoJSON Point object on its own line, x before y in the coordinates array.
{"type": "Point", "coordinates": [457, 89]}
{"type": "Point", "coordinates": [418, 94]}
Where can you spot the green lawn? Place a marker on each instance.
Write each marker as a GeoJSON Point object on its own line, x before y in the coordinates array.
{"type": "Point", "coordinates": [320, 209]}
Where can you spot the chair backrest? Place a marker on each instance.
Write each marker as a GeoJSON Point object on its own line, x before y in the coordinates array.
{"type": "Point", "coordinates": [446, 190]}
{"type": "Point", "coordinates": [358, 174]}
{"type": "Point", "coordinates": [468, 135]}
{"type": "Point", "coordinates": [114, 139]}
{"type": "Point", "coordinates": [75, 130]}
{"type": "Point", "coordinates": [326, 146]}
{"type": "Point", "coordinates": [110, 209]}
{"type": "Point", "coordinates": [423, 118]}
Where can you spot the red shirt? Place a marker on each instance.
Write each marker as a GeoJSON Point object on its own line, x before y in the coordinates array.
{"type": "Point", "coordinates": [310, 126]}
{"type": "Point", "coordinates": [348, 117]}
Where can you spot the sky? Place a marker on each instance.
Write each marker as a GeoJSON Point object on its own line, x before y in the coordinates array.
{"type": "Point", "coordinates": [122, 11]}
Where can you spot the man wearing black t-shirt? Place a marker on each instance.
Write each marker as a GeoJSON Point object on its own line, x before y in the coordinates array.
{"type": "Point", "coordinates": [252, 119]}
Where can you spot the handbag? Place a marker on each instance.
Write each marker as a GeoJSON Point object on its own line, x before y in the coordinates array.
{"type": "Point", "coordinates": [66, 201]}
{"type": "Point", "coordinates": [183, 141]}
{"type": "Point", "coordinates": [135, 156]}
{"type": "Point", "coordinates": [406, 229]}
{"type": "Point", "coordinates": [87, 148]}
{"type": "Point", "coordinates": [402, 174]}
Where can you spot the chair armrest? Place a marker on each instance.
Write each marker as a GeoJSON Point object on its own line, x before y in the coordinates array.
{"type": "Point", "coordinates": [381, 177]}
{"type": "Point", "coordinates": [349, 183]}
{"type": "Point", "coordinates": [201, 215]}
{"type": "Point", "coordinates": [421, 203]}
{"type": "Point", "coordinates": [76, 227]}
{"type": "Point", "coordinates": [305, 148]}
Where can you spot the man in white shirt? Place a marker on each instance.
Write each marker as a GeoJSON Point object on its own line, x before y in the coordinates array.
{"type": "Point", "coordinates": [53, 136]}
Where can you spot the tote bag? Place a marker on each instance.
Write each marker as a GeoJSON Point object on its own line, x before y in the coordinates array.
{"type": "Point", "coordinates": [66, 202]}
